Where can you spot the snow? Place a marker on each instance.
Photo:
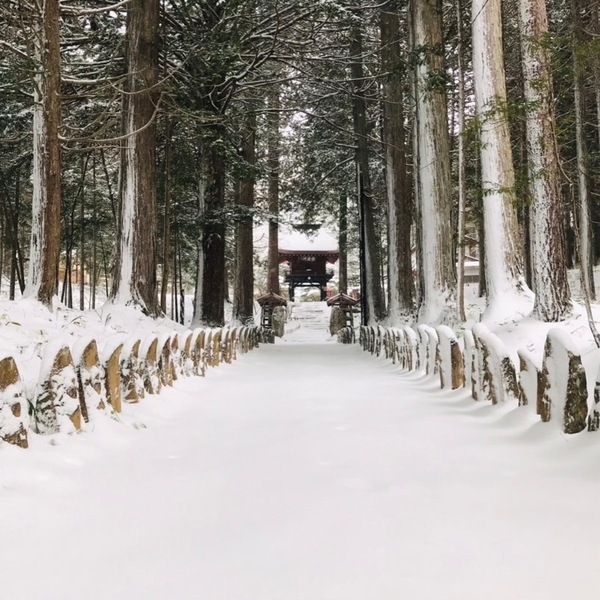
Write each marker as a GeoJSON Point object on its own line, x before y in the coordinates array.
{"type": "Point", "coordinates": [305, 470]}
{"type": "Point", "coordinates": [290, 239]}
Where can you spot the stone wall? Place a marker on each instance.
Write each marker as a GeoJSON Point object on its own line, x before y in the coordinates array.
{"type": "Point", "coordinates": [80, 384]}
{"type": "Point", "coordinates": [478, 360]}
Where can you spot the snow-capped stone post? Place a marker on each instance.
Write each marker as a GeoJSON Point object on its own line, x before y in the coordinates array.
{"type": "Point", "coordinates": [410, 355]}
{"type": "Point", "coordinates": [199, 352]}
{"type": "Point", "coordinates": [13, 413]}
{"type": "Point", "coordinates": [226, 344]}
{"type": "Point", "coordinates": [564, 393]}
{"type": "Point", "coordinates": [149, 365]}
{"type": "Point", "coordinates": [451, 363]}
{"type": "Point", "coordinates": [112, 371]}
{"type": "Point", "coordinates": [235, 342]}
{"type": "Point", "coordinates": [90, 374]}
{"type": "Point", "coordinates": [471, 360]}
{"type": "Point", "coordinates": [165, 369]}
{"type": "Point", "coordinates": [57, 402]}
{"type": "Point", "coordinates": [529, 379]}
{"type": "Point", "coordinates": [175, 355]}
{"type": "Point", "coordinates": [187, 355]}
{"type": "Point", "coordinates": [428, 341]}
{"type": "Point", "coordinates": [216, 348]}
{"type": "Point", "coordinates": [132, 383]}
{"type": "Point", "coordinates": [497, 375]}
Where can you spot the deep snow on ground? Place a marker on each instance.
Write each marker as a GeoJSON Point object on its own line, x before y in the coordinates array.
{"type": "Point", "coordinates": [304, 471]}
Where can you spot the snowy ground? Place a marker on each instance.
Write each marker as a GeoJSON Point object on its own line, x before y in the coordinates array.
{"type": "Point", "coordinates": [304, 471]}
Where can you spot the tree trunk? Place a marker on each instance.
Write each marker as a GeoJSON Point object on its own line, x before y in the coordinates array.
{"type": "Point", "coordinates": [45, 225]}
{"type": "Point", "coordinates": [82, 237]}
{"type": "Point", "coordinates": [460, 234]}
{"type": "Point", "coordinates": [549, 268]}
{"type": "Point", "coordinates": [504, 274]}
{"type": "Point", "coordinates": [372, 291]}
{"type": "Point", "coordinates": [210, 280]}
{"type": "Point", "coordinates": [166, 221]}
{"type": "Point", "coordinates": [400, 277]}
{"type": "Point", "coordinates": [135, 266]}
{"type": "Point", "coordinates": [243, 300]}
{"type": "Point", "coordinates": [438, 266]}
{"type": "Point", "coordinates": [94, 234]}
{"type": "Point", "coordinates": [273, 118]}
{"type": "Point", "coordinates": [343, 245]}
{"type": "Point", "coordinates": [584, 229]}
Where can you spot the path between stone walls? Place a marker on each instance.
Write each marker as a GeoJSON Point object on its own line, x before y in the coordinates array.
{"type": "Point", "coordinates": [304, 471]}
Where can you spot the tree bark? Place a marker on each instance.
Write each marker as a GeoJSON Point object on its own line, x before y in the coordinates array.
{"type": "Point", "coordinates": [400, 276]}
{"type": "Point", "coordinates": [45, 226]}
{"type": "Point", "coordinates": [438, 304]}
{"type": "Point", "coordinates": [273, 140]}
{"type": "Point", "coordinates": [504, 273]}
{"type": "Point", "coordinates": [343, 245]}
{"type": "Point", "coordinates": [243, 301]}
{"type": "Point", "coordinates": [461, 167]}
{"type": "Point", "coordinates": [166, 221]}
{"type": "Point", "coordinates": [210, 281]}
{"type": "Point", "coordinates": [584, 229]}
{"type": "Point", "coordinates": [372, 290]}
{"type": "Point", "coordinates": [135, 267]}
{"type": "Point", "coordinates": [549, 268]}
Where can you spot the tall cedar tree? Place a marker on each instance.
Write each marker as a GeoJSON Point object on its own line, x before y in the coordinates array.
{"type": "Point", "coordinates": [45, 227]}
{"type": "Point", "coordinates": [135, 266]}
{"type": "Point", "coordinates": [438, 269]}
{"type": "Point", "coordinates": [503, 268]}
{"type": "Point", "coordinates": [400, 277]}
{"type": "Point", "coordinates": [547, 220]}
{"type": "Point", "coordinates": [373, 300]}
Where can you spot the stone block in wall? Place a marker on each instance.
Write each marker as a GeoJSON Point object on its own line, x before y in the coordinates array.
{"type": "Point", "coordinates": [471, 359]}
{"type": "Point", "coordinates": [111, 357]}
{"type": "Point", "coordinates": [497, 376]}
{"type": "Point", "coordinates": [226, 347]}
{"type": "Point", "coordinates": [149, 365]}
{"type": "Point", "coordinates": [56, 406]}
{"type": "Point", "coordinates": [175, 357]}
{"type": "Point", "coordinates": [428, 348]}
{"type": "Point", "coordinates": [200, 352]}
{"type": "Point", "coordinates": [529, 380]}
{"type": "Point", "coordinates": [215, 351]}
{"type": "Point", "coordinates": [164, 366]}
{"type": "Point", "coordinates": [410, 353]}
{"type": "Point", "coordinates": [90, 378]}
{"type": "Point", "coordinates": [132, 379]}
{"type": "Point", "coordinates": [564, 397]}
{"type": "Point", "coordinates": [451, 363]}
{"type": "Point", "coordinates": [187, 354]}
{"type": "Point", "coordinates": [13, 407]}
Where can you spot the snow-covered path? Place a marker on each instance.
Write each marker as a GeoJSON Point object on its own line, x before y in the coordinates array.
{"type": "Point", "coordinates": [304, 472]}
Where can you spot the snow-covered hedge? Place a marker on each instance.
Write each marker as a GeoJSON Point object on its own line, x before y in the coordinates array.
{"type": "Point", "coordinates": [78, 384]}
{"type": "Point", "coordinates": [480, 361]}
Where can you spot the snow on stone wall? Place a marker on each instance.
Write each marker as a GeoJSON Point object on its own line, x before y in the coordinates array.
{"type": "Point", "coordinates": [78, 384]}
{"type": "Point", "coordinates": [481, 362]}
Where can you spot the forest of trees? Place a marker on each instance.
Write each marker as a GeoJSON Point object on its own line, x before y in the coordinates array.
{"type": "Point", "coordinates": [143, 140]}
